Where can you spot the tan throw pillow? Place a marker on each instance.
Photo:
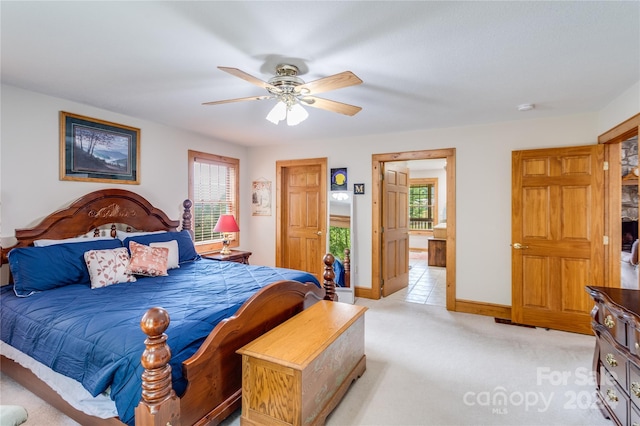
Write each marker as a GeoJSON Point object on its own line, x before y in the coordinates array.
{"type": "Point", "coordinates": [148, 261]}
{"type": "Point", "coordinates": [108, 267]}
{"type": "Point", "coordinates": [174, 253]}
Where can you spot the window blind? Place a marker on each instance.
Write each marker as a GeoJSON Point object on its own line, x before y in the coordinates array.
{"type": "Point", "coordinates": [214, 184]}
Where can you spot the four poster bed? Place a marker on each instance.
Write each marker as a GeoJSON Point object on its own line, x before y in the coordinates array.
{"type": "Point", "coordinates": [58, 321]}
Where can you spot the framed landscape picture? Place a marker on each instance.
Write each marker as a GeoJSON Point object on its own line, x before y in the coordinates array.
{"type": "Point", "coordinates": [93, 150]}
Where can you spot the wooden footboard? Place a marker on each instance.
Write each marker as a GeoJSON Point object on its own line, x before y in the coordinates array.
{"type": "Point", "coordinates": [214, 372]}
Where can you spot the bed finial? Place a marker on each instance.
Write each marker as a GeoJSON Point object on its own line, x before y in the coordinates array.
{"type": "Point", "coordinates": [186, 216]}
{"type": "Point", "coordinates": [159, 404]}
{"type": "Point", "coordinates": [329, 277]}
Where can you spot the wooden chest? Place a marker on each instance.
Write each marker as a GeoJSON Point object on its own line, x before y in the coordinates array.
{"type": "Point", "coordinates": [297, 373]}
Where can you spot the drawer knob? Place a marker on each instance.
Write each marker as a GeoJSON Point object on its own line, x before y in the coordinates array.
{"type": "Point", "coordinates": [611, 394]}
{"type": "Point", "coordinates": [609, 322]}
{"type": "Point", "coordinates": [611, 360]}
{"type": "Point", "coordinates": [635, 388]}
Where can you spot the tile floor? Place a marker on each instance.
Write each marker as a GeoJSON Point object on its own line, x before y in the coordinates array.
{"type": "Point", "coordinates": [427, 284]}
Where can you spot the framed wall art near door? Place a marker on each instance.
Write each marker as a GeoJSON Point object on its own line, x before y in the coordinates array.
{"type": "Point", "coordinates": [93, 150]}
{"type": "Point", "coordinates": [261, 198]}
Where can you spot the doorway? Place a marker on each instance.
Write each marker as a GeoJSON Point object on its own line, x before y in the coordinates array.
{"type": "Point", "coordinates": [620, 174]}
{"type": "Point", "coordinates": [378, 218]}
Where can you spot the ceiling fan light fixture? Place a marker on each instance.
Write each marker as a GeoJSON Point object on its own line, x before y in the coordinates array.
{"type": "Point", "coordinates": [296, 114]}
{"type": "Point", "coordinates": [290, 91]}
{"type": "Point", "coordinates": [277, 113]}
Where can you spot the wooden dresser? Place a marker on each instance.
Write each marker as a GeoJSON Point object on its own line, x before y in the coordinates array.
{"type": "Point", "coordinates": [297, 373]}
{"type": "Point", "coordinates": [616, 362]}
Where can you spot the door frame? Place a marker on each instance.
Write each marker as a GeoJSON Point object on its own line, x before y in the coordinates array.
{"type": "Point", "coordinates": [377, 161]}
{"type": "Point", "coordinates": [613, 181]}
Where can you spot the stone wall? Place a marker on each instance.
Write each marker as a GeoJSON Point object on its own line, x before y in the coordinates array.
{"type": "Point", "coordinates": [629, 160]}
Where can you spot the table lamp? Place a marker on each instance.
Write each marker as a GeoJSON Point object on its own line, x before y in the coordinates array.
{"type": "Point", "coordinates": [226, 223]}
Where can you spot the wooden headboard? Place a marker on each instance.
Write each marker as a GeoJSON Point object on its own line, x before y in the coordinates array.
{"type": "Point", "coordinates": [97, 209]}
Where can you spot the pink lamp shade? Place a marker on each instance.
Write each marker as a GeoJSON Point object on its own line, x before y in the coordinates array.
{"type": "Point", "coordinates": [226, 223]}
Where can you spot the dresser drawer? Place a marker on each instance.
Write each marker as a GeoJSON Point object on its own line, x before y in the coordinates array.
{"type": "Point", "coordinates": [611, 318]}
{"type": "Point", "coordinates": [635, 416]}
{"type": "Point", "coordinates": [614, 361]}
{"type": "Point", "coordinates": [634, 384]}
{"type": "Point", "coordinates": [613, 396]}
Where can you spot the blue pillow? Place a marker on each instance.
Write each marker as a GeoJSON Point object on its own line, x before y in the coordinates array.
{"type": "Point", "coordinates": [186, 250]}
{"type": "Point", "coordinates": [43, 268]}
{"type": "Point", "coordinates": [338, 269]}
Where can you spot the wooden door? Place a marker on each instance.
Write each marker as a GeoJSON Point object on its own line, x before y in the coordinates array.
{"type": "Point", "coordinates": [301, 215]}
{"type": "Point", "coordinates": [557, 235]}
{"type": "Point", "coordinates": [395, 231]}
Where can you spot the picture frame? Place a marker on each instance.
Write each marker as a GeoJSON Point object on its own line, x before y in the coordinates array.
{"type": "Point", "coordinates": [358, 188]}
{"type": "Point", "coordinates": [339, 179]}
{"type": "Point", "coordinates": [94, 150]}
{"type": "Point", "coordinates": [261, 198]}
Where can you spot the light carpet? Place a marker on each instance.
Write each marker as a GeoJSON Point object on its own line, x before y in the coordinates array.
{"type": "Point", "coordinates": [429, 366]}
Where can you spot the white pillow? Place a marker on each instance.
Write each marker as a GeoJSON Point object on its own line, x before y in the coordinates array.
{"type": "Point", "coordinates": [108, 267]}
{"type": "Point", "coordinates": [45, 243]}
{"type": "Point", "coordinates": [174, 253]}
{"type": "Point", "coordinates": [122, 235]}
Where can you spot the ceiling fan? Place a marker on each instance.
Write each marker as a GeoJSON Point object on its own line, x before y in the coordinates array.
{"type": "Point", "coordinates": [292, 92]}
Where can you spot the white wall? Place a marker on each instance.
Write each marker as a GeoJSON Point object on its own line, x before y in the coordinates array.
{"type": "Point", "coordinates": [30, 161]}
{"type": "Point", "coordinates": [621, 108]}
{"type": "Point", "coordinates": [483, 201]}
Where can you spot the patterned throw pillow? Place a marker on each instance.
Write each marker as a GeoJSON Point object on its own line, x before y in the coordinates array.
{"type": "Point", "coordinates": [174, 258]}
{"type": "Point", "coordinates": [149, 261]}
{"type": "Point", "coordinates": [108, 267]}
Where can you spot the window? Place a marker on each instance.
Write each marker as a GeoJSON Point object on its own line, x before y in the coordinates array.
{"type": "Point", "coordinates": [213, 188]}
{"type": "Point", "coordinates": [423, 204]}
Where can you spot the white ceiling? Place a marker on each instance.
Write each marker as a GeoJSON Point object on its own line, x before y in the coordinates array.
{"type": "Point", "coordinates": [424, 64]}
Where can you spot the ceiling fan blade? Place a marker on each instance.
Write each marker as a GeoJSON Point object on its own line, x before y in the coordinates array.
{"type": "Point", "coordinates": [332, 106]}
{"type": "Point", "coordinates": [333, 82]}
{"type": "Point", "coordinates": [247, 77]}
{"type": "Point", "coordinates": [250, 98]}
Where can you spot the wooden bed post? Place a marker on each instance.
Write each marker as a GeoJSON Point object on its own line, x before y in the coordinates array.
{"type": "Point", "coordinates": [347, 267]}
{"type": "Point", "coordinates": [159, 405]}
{"type": "Point", "coordinates": [186, 216]}
{"type": "Point", "coordinates": [329, 277]}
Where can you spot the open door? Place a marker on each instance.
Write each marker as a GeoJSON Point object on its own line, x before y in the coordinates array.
{"type": "Point", "coordinates": [557, 235]}
{"type": "Point", "coordinates": [301, 221]}
{"type": "Point", "coordinates": [395, 230]}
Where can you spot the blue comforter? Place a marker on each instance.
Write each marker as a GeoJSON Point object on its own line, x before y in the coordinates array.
{"type": "Point", "coordinates": [94, 336]}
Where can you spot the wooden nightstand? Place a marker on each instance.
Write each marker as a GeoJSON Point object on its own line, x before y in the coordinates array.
{"type": "Point", "coordinates": [437, 252]}
{"type": "Point", "coordinates": [237, 256]}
